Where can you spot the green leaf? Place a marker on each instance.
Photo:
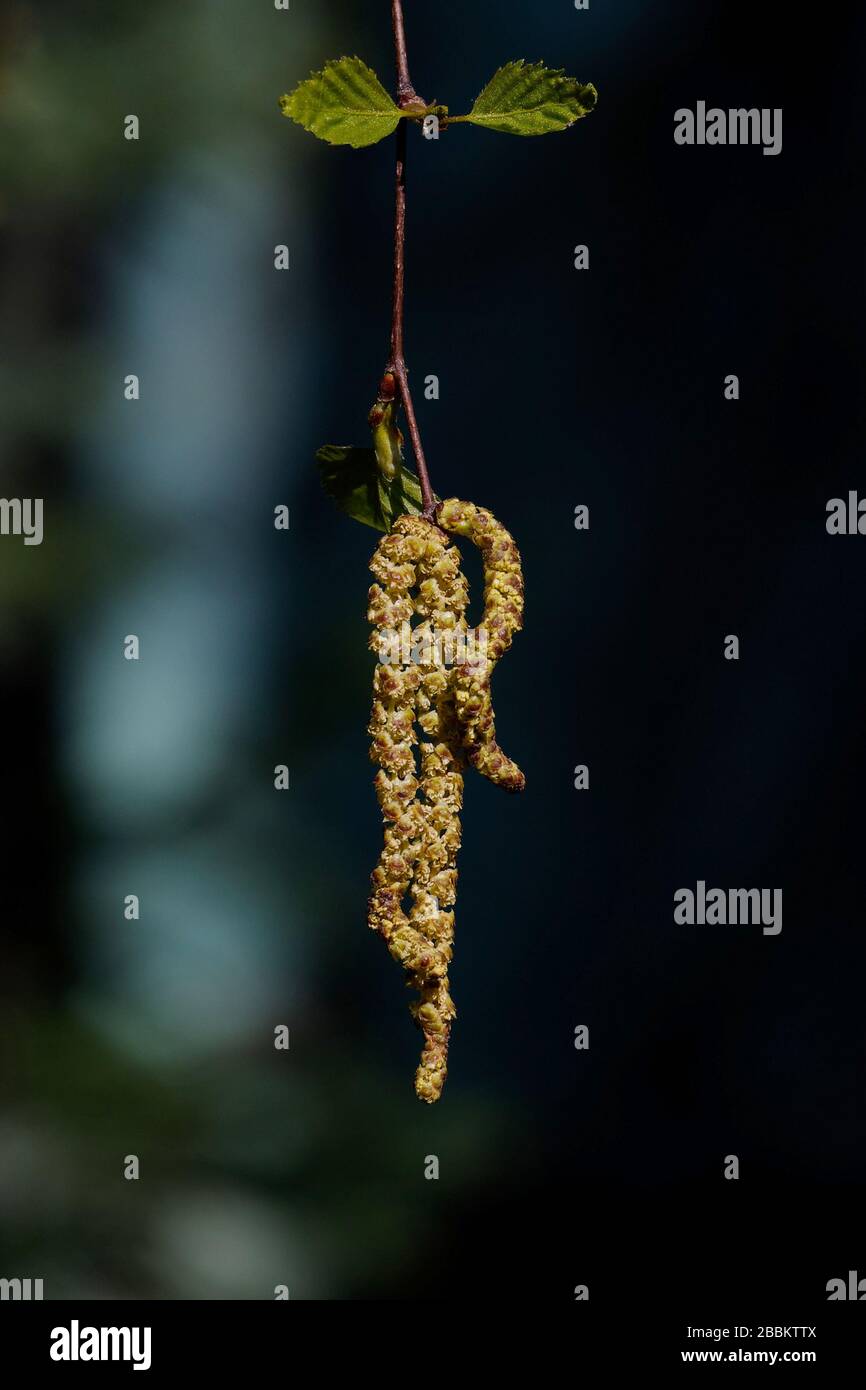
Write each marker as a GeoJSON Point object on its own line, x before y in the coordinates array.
{"type": "Point", "coordinates": [352, 479]}
{"type": "Point", "coordinates": [344, 104]}
{"type": "Point", "coordinates": [387, 501]}
{"type": "Point", "coordinates": [530, 99]}
{"type": "Point", "coordinates": [412, 502]}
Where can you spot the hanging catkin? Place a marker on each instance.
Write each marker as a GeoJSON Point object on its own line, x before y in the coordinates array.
{"type": "Point", "coordinates": [503, 616]}
{"type": "Point", "coordinates": [432, 713]}
{"type": "Point", "coordinates": [440, 704]}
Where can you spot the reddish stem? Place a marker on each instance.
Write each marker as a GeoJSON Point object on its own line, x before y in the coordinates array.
{"type": "Point", "coordinates": [406, 96]}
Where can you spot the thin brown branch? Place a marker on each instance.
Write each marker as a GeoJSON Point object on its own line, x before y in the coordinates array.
{"type": "Point", "coordinates": [406, 96]}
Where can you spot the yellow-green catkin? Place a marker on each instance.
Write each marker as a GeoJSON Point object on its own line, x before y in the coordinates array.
{"type": "Point", "coordinates": [421, 814]}
{"type": "Point", "coordinates": [444, 711]}
{"type": "Point", "coordinates": [503, 616]}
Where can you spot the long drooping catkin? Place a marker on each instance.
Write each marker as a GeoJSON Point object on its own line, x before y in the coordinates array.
{"type": "Point", "coordinates": [421, 814]}
{"type": "Point", "coordinates": [432, 690]}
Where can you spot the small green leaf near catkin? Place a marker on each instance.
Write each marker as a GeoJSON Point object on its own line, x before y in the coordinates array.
{"type": "Point", "coordinates": [530, 99]}
{"type": "Point", "coordinates": [344, 104]}
{"type": "Point", "coordinates": [352, 480]}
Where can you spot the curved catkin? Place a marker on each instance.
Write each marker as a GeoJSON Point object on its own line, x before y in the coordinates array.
{"type": "Point", "coordinates": [503, 616]}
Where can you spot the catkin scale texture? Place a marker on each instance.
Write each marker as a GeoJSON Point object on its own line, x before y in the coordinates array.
{"type": "Point", "coordinates": [428, 719]}
{"type": "Point", "coordinates": [503, 616]}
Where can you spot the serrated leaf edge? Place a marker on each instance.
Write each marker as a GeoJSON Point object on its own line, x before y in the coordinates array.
{"type": "Point", "coordinates": [560, 77]}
